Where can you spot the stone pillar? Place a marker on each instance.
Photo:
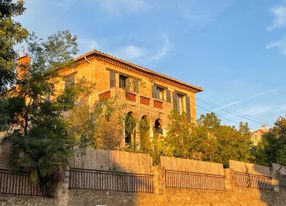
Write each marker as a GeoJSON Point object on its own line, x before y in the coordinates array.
{"type": "Point", "coordinates": [62, 192]}
{"type": "Point", "coordinates": [159, 179]}
{"type": "Point", "coordinates": [228, 180]}
{"type": "Point", "coordinates": [275, 176]}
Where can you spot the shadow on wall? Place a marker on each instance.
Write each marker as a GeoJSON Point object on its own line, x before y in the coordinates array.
{"type": "Point", "coordinates": [264, 180]}
{"type": "Point", "coordinates": [105, 177]}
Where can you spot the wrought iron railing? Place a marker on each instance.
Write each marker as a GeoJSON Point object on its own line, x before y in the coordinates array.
{"type": "Point", "coordinates": [110, 181]}
{"type": "Point", "coordinates": [193, 180]}
{"type": "Point", "coordinates": [282, 180]}
{"type": "Point", "coordinates": [18, 183]}
{"type": "Point", "coordinates": [252, 181]}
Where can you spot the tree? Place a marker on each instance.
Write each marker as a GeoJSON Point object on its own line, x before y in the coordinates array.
{"type": "Point", "coordinates": [209, 120]}
{"type": "Point", "coordinates": [208, 140]}
{"type": "Point", "coordinates": [37, 130]}
{"type": "Point", "coordinates": [272, 148]}
{"type": "Point", "coordinates": [99, 126]}
{"type": "Point", "coordinates": [11, 33]}
{"type": "Point", "coordinates": [232, 144]}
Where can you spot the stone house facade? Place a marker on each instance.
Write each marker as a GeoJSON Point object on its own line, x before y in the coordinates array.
{"type": "Point", "coordinates": [146, 94]}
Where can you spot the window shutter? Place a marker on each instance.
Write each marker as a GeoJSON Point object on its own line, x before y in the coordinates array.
{"type": "Point", "coordinates": [136, 85]}
{"type": "Point", "coordinates": [168, 94]}
{"type": "Point", "coordinates": [128, 81]}
{"type": "Point", "coordinates": [112, 81]}
{"type": "Point", "coordinates": [188, 111]}
{"type": "Point", "coordinates": [175, 102]}
{"type": "Point", "coordinates": [154, 91]}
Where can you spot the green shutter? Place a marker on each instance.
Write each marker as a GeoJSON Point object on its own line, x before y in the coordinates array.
{"type": "Point", "coordinates": [188, 111]}
{"type": "Point", "coordinates": [175, 102]}
{"type": "Point", "coordinates": [112, 81]}
{"type": "Point", "coordinates": [128, 83]}
{"type": "Point", "coordinates": [168, 94]}
{"type": "Point", "coordinates": [154, 91]}
{"type": "Point", "coordinates": [136, 85]}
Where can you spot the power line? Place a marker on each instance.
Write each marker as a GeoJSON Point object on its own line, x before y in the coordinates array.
{"type": "Point", "coordinates": [225, 118]}
{"type": "Point", "coordinates": [234, 113]}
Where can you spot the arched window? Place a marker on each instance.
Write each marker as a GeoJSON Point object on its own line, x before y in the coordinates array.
{"type": "Point", "coordinates": [144, 131]}
{"type": "Point", "coordinates": [158, 127]}
{"type": "Point", "coordinates": [130, 126]}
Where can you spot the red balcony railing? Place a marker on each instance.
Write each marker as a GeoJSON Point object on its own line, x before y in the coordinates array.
{"type": "Point", "coordinates": [104, 95]}
{"type": "Point", "coordinates": [145, 101]}
{"type": "Point", "coordinates": [131, 97]}
{"type": "Point", "coordinates": [158, 104]}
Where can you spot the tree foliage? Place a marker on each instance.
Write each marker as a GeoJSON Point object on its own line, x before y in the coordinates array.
{"type": "Point", "coordinates": [37, 130]}
{"type": "Point", "coordinates": [272, 148]}
{"type": "Point", "coordinates": [208, 140]}
{"type": "Point", "coordinates": [98, 126]}
{"type": "Point", "coordinates": [11, 33]}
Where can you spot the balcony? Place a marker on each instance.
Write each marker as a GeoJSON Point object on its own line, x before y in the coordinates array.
{"type": "Point", "coordinates": [135, 99]}
{"type": "Point", "coordinates": [104, 96]}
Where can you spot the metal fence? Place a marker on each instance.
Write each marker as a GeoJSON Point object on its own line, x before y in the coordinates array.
{"type": "Point", "coordinates": [192, 180]}
{"type": "Point", "coordinates": [111, 181]}
{"type": "Point", "coordinates": [282, 180]}
{"type": "Point", "coordinates": [252, 181]}
{"type": "Point", "coordinates": [18, 183]}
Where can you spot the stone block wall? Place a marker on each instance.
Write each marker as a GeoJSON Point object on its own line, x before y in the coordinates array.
{"type": "Point", "coordinates": [230, 195]}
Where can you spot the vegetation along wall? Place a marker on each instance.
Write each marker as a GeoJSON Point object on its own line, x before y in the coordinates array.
{"type": "Point", "coordinates": [120, 178]}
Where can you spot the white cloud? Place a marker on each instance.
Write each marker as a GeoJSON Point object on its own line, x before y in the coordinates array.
{"type": "Point", "coordinates": [118, 6]}
{"type": "Point", "coordinates": [64, 4]}
{"type": "Point", "coordinates": [257, 110]}
{"type": "Point", "coordinates": [280, 44]}
{"type": "Point", "coordinates": [86, 45]}
{"type": "Point", "coordinates": [279, 20]}
{"type": "Point", "coordinates": [201, 13]}
{"type": "Point", "coordinates": [163, 50]}
{"type": "Point", "coordinates": [133, 52]}
{"type": "Point", "coordinates": [239, 101]}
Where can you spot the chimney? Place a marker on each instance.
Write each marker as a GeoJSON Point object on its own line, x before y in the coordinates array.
{"type": "Point", "coordinates": [22, 68]}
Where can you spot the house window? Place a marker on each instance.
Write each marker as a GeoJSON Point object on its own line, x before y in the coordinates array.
{"type": "Point", "coordinates": [180, 102]}
{"type": "Point", "coordinates": [159, 92]}
{"type": "Point", "coordinates": [69, 81]}
{"type": "Point", "coordinates": [123, 81]}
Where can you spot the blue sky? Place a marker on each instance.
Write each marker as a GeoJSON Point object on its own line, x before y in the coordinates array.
{"type": "Point", "coordinates": [234, 49]}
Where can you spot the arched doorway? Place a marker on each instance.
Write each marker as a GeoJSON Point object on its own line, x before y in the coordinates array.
{"type": "Point", "coordinates": [144, 131]}
{"type": "Point", "coordinates": [158, 127]}
{"type": "Point", "coordinates": [130, 129]}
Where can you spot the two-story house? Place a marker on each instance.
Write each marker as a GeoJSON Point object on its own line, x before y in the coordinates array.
{"type": "Point", "coordinates": [147, 94]}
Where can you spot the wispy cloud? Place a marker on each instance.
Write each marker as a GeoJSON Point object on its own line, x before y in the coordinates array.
{"type": "Point", "coordinates": [118, 6]}
{"type": "Point", "coordinates": [250, 97]}
{"type": "Point", "coordinates": [257, 110]}
{"type": "Point", "coordinates": [86, 45]}
{"type": "Point", "coordinates": [279, 20]}
{"type": "Point", "coordinates": [134, 52]}
{"type": "Point", "coordinates": [280, 44]}
{"type": "Point", "coordinates": [163, 50]}
{"type": "Point", "coordinates": [63, 4]}
{"type": "Point", "coordinates": [200, 13]}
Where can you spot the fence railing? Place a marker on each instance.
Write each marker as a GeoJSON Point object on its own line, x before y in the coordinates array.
{"type": "Point", "coordinates": [193, 180]}
{"type": "Point", "coordinates": [111, 181]}
{"type": "Point", "coordinates": [252, 181]}
{"type": "Point", "coordinates": [18, 183]}
{"type": "Point", "coordinates": [282, 180]}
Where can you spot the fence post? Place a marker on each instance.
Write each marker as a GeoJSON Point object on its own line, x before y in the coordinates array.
{"type": "Point", "coordinates": [62, 192]}
{"type": "Point", "coordinates": [228, 180]}
{"type": "Point", "coordinates": [158, 179]}
{"type": "Point", "coordinates": [275, 176]}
